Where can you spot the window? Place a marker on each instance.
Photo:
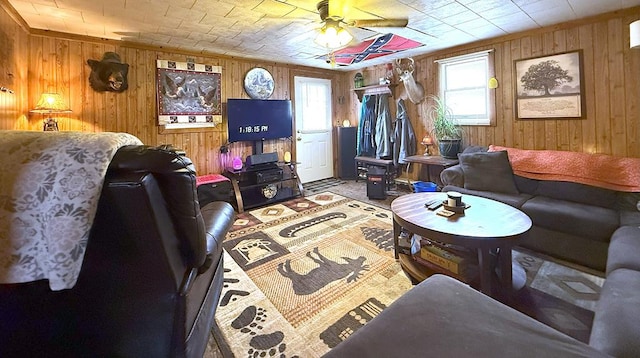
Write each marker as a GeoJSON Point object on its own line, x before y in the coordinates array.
{"type": "Point", "coordinates": [313, 103]}
{"type": "Point", "coordinates": [463, 87]}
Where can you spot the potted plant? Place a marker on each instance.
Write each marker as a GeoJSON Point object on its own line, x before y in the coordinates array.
{"type": "Point", "coordinates": [446, 129]}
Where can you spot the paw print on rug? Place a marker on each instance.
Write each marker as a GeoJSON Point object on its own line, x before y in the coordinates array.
{"type": "Point", "coordinates": [251, 321]}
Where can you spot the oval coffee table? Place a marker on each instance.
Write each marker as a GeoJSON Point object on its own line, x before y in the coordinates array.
{"type": "Point", "coordinates": [486, 226]}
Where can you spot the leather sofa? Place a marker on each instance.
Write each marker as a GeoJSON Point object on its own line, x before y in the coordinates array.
{"type": "Point", "coordinates": [151, 276]}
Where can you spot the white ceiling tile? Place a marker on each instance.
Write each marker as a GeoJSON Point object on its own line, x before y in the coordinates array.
{"type": "Point", "coordinates": [465, 16]}
{"type": "Point", "coordinates": [284, 30]}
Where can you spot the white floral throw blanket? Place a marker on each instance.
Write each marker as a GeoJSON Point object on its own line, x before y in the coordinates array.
{"type": "Point", "coordinates": [50, 184]}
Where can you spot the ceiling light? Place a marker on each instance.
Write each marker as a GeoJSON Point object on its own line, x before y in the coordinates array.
{"type": "Point", "coordinates": [332, 35]}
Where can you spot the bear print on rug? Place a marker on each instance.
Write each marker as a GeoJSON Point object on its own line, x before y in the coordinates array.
{"type": "Point", "coordinates": [108, 74]}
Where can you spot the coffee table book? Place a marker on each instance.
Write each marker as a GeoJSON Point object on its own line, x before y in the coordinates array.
{"type": "Point", "coordinates": [467, 276]}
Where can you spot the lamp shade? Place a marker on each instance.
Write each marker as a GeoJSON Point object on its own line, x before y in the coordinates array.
{"type": "Point", "coordinates": [634, 34]}
{"type": "Point", "coordinates": [51, 103]}
{"type": "Point", "coordinates": [332, 35]}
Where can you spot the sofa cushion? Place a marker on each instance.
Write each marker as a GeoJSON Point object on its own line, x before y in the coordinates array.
{"type": "Point", "coordinates": [575, 218]}
{"type": "Point", "coordinates": [525, 185]}
{"type": "Point", "coordinates": [624, 249]}
{"type": "Point", "coordinates": [630, 218]}
{"type": "Point", "coordinates": [576, 192]}
{"type": "Point", "coordinates": [615, 324]}
{"type": "Point", "coordinates": [628, 201]}
{"type": "Point", "coordinates": [442, 317]}
{"type": "Point", "coordinates": [515, 200]}
{"type": "Point", "coordinates": [488, 171]}
{"type": "Point", "coordinates": [577, 249]}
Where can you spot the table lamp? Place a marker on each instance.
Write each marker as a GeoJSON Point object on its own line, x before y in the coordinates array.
{"type": "Point", "coordinates": [48, 104]}
{"type": "Point", "coordinates": [427, 142]}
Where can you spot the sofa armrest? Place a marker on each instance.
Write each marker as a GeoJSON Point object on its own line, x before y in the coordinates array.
{"type": "Point", "coordinates": [218, 217]}
{"type": "Point", "coordinates": [442, 317]}
{"type": "Point", "coordinates": [453, 176]}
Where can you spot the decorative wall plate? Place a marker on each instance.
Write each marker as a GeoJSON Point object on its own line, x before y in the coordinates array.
{"type": "Point", "coordinates": [258, 83]}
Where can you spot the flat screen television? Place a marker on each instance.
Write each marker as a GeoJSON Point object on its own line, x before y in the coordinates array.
{"type": "Point", "coordinates": [257, 120]}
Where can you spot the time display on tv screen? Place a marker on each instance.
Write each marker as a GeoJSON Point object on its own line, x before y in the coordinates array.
{"type": "Point", "coordinates": [255, 119]}
{"type": "Point", "coordinates": [254, 129]}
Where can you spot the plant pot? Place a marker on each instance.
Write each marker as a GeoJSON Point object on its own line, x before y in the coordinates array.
{"type": "Point", "coordinates": [449, 148]}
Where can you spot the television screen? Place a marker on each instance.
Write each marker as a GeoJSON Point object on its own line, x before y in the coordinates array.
{"type": "Point", "coordinates": [257, 119]}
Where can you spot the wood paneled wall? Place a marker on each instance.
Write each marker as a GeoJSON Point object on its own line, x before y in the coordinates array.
{"type": "Point", "coordinates": [14, 61]}
{"type": "Point", "coordinates": [612, 88]}
{"type": "Point", "coordinates": [59, 65]}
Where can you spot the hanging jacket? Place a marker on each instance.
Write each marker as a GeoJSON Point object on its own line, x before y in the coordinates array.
{"type": "Point", "coordinates": [367, 127]}
{"type": "Point", "coordinates": [384, 129]}
{"type": "Point", "coordinates": [404, 142]}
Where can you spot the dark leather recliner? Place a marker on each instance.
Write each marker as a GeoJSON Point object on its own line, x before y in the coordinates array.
{"type": "Point", "coordinates": [151, 276]}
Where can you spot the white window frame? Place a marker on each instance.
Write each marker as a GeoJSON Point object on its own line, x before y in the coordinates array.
{"type": "Point", "coordinates": [486, 58]}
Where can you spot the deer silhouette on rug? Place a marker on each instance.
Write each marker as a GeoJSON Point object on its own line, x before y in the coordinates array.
{"type": "Point", "coordinates": [327, 272]}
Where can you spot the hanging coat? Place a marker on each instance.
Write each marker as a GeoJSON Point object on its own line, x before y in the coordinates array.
{"type": "Point", "coordinates": [367, 127]}
{"type": "Point", "coordinates": [384, 129]}
{"type": "Point", "coordinates": [404, 142]}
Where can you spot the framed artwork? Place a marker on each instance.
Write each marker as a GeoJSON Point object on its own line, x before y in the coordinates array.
{"type": "Point", "coordinates": [189, 94]}
{"type": "Point", "coordinates": [550, 87]}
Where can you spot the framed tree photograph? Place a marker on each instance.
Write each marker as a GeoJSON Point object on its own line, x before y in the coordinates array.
{"type": "Point", "coordinates": [189, 94]}
{"type": "Point", "coordinates": [550, 87]}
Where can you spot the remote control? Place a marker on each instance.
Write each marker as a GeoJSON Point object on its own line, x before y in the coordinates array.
{"type": "Point", "coordinates": [435, 205]}
{"type": "Point", "coordinates": [430, 202]}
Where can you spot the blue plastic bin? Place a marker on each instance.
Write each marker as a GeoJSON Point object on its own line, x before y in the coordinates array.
{"type": "Point", "coordinates": [422, 186]}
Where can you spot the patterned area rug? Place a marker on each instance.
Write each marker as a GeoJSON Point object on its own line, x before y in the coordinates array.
{"type": "Point", "coordinates": [303, 275]}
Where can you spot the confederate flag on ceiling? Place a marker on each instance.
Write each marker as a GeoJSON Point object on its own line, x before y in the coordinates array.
{"type": "Point", "coordinates": [373, 48]}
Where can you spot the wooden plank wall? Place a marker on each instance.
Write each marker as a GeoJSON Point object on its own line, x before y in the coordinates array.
{"type": "Point", "coordinates": [14, 43]}
{"type": "Point", "coordinates": [612, 89]}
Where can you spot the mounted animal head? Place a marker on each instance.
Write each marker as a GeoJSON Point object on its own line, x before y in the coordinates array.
{"type": "Point", "coordinates": [415, 91]}
{"type": "Point", "coordinates": [108, 74]}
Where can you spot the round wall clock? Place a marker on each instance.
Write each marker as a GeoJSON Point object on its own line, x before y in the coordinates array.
{"type": "Point", "coordinates": [258, 83]}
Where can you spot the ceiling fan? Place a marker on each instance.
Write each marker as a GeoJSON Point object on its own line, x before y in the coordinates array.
{"type": "Point", "coordinates": [334, 10]}
{"type": "Point", "coordinates": [332, 13]}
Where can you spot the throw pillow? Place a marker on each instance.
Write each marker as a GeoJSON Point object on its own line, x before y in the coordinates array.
{"type": "Point", "coordinates": [488, 171]}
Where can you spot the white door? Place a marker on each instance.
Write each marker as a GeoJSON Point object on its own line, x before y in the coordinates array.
{"type": "Point", "coordinates": [314, 149]}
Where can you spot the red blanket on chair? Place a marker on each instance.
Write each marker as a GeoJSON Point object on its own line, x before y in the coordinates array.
{"type": "Point", "coordinates": [600, 170]}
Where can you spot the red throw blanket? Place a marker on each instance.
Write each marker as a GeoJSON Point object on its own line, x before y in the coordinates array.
{"type": "Point", "coordinates": [600, 170]}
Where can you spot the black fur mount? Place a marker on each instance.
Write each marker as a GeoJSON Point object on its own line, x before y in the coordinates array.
{"type": "Point", "coordinates": [108, 74]}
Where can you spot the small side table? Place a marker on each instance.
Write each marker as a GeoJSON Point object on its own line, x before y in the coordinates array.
{"type": "Point", "coordinates": [433, 164]}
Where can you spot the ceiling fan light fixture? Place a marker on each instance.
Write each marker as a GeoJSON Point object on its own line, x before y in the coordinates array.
{"type": "Point", "coordinates": [333, 36]}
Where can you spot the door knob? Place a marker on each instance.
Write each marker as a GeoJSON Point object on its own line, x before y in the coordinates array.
{"type": "Point", "coordinates": [299, 139]}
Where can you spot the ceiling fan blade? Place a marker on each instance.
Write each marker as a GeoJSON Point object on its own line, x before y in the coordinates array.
{"type": "Point", "coordinates": [339, 9]}
{"type": "Point", "coordinates": [380, 23]}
